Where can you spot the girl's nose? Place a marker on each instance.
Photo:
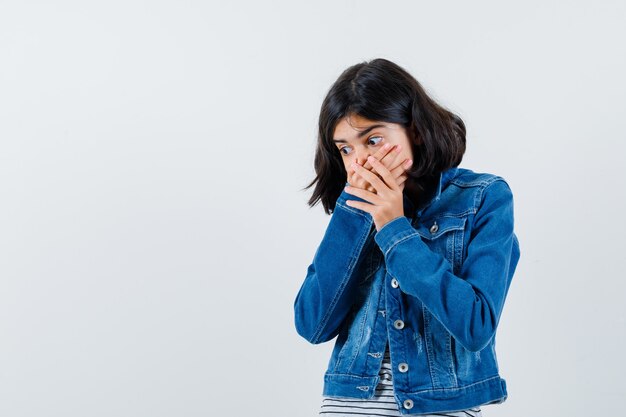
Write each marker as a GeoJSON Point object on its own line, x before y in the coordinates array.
{"type": "Point", "coordinates": [361, 157]}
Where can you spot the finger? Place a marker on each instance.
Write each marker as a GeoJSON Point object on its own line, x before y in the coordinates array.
{"type": "Point", "coordinates": [380, 154]}
{"type": "Point", "coordinates": [390, 154]}
{"type": "Point", "coordinates": [401, 168]}
{"type": "Point", "coordinates": [367, 207]}
{"type": "Point", "coordinates": [371, 189]}
{"type": "Point", "coordinates": [386, 178]}
{"type": "Point", "coordinates": [360, 182]}
{"type": "Point", "coordinates": [369, 176]}
{"type": "Point", "coordinates": [365, 195]}
{"type": "Point", "coordinates": [373, 176]}
{"type": "Point", "coordinates": [399, 171]}
{"type": "Point", "coordinates": [357, 181]}
{"type": "Point", "coordinates": [403, 164]}
{"type": "Point", "coordinates": [390, 159]}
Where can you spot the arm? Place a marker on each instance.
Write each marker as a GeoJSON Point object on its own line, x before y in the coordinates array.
{"type": "Point", "coordinates": [468, 305]}
{"type": "Point", "coordinates": [329, 287]}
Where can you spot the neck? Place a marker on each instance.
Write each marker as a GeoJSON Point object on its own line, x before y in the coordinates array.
{"type": "Point", "coordinates": [416, 195]}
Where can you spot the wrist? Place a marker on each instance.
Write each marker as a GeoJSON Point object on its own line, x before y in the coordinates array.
{"type": "Point", "coordinates": [381, 224]}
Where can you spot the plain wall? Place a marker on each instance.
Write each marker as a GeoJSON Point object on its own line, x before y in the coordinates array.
{"type": "Point", "coordinates": [154, 233]}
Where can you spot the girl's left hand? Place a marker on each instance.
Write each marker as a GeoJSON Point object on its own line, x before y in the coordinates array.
{"type": "Point", "coordinates": [387, 203]}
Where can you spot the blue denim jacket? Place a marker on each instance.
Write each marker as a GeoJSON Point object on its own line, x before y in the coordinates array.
{"type": "Point", "coordinates": [433, 286]}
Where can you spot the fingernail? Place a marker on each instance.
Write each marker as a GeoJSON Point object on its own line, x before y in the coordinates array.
{"type": "Point", "coordinates": [386, 146]}
{"type": "Point", "coordinates": [409, 162]}
{"type": "Point", "coordinates": [398, 148]}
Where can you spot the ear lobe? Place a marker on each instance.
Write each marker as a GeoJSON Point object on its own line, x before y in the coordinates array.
{"type": "Point", "coordinates": [415, 137]}
{"type": "Point", "coordinates": [418, 139]}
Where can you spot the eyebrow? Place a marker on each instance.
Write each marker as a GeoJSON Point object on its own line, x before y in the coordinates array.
{"type": "Point", "coordinates": [361, 134]}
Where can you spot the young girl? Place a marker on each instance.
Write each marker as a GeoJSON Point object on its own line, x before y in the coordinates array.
{"type": "Point", "coordinates": [413, 270]}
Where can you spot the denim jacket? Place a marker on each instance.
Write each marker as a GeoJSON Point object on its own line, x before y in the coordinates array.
{"type": "Point", "coordinates": [433, 286]}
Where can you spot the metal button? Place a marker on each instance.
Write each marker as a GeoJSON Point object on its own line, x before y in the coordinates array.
{"type": "Point", "coordinates": [408, 404]}
{"type": "Point", "coordinates": [398, 324]}
{"type": "Point", "coordinates": [434, 228]}
{"type": "Point", "coordinates": [394, 283]}
{"type": "Point", "coordinates": [403, 367]}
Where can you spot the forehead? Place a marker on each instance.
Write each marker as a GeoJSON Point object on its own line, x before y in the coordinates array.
{"type": "Point", "coordinates": [349, 126]}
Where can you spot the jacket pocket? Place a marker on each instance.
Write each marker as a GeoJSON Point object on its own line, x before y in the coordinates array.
{"type": "Point", "coordinates": [431, 229]}
{"type": "Point", "coordinates": [445, 235]}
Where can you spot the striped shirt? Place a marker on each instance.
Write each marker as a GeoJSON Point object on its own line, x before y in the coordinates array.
{"type": "Point", "coordinates": [382, 403]}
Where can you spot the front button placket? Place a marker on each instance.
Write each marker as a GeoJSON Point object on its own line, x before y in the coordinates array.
{"type": "Point", "coordinates": [393, 299]}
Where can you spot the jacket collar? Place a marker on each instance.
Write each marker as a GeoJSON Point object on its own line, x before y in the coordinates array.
{"type": "Point", "coordinates": [444, 179]}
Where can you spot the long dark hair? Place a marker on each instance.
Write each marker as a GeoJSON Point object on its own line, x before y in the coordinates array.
{"type": "Point", "coordinates": [381, 90]}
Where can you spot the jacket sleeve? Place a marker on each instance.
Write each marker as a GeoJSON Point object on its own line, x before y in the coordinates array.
{"type": "Point", "coordinates": [468, 305]}
{"type": "Point", "coordinates": [329, 288]}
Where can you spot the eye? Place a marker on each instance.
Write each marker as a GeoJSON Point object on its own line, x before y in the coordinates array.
{"type": "Point", "coordinates": [376, 139]}
{"type": "Point", "coordinates": [342, 148]}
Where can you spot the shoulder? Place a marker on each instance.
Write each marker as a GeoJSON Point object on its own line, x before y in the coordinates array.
{"type": "Point", "coordinates": [469, 190]}
{"type": "Point", "coordinates": [467, 178]}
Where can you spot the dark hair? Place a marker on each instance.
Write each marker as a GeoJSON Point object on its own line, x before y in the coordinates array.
{"type": "Point", "coordinates": [380, 90]}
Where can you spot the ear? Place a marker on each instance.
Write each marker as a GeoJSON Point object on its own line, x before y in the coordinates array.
{"type": "Point", "coordinates": [416, 138]}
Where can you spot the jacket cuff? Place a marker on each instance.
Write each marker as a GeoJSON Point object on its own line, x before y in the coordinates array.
{"type": "Point", "coordinates": [394, 232]}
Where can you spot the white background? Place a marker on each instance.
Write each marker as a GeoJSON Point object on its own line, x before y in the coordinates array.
{"type": "Point", "coordinates": [153, 231]}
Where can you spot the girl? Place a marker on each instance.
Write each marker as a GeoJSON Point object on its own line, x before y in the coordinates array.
{"type": "Point", "coordinates": [413, 270]}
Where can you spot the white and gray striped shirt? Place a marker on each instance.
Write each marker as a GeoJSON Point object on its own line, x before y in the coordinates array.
{"type": "Point", "coordinates": [382, 403]}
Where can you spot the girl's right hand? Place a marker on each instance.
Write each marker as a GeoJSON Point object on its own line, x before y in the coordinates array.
{"type": "Point", "coordinates": [388, 158]}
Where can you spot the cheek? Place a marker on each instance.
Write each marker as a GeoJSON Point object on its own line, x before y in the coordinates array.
{"type": "Point", "coordinates": [347, 161]}
{"type": "Point", "coordinates": [407, 154]}
{"type": "Point", "coordinates": [346, 166]}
